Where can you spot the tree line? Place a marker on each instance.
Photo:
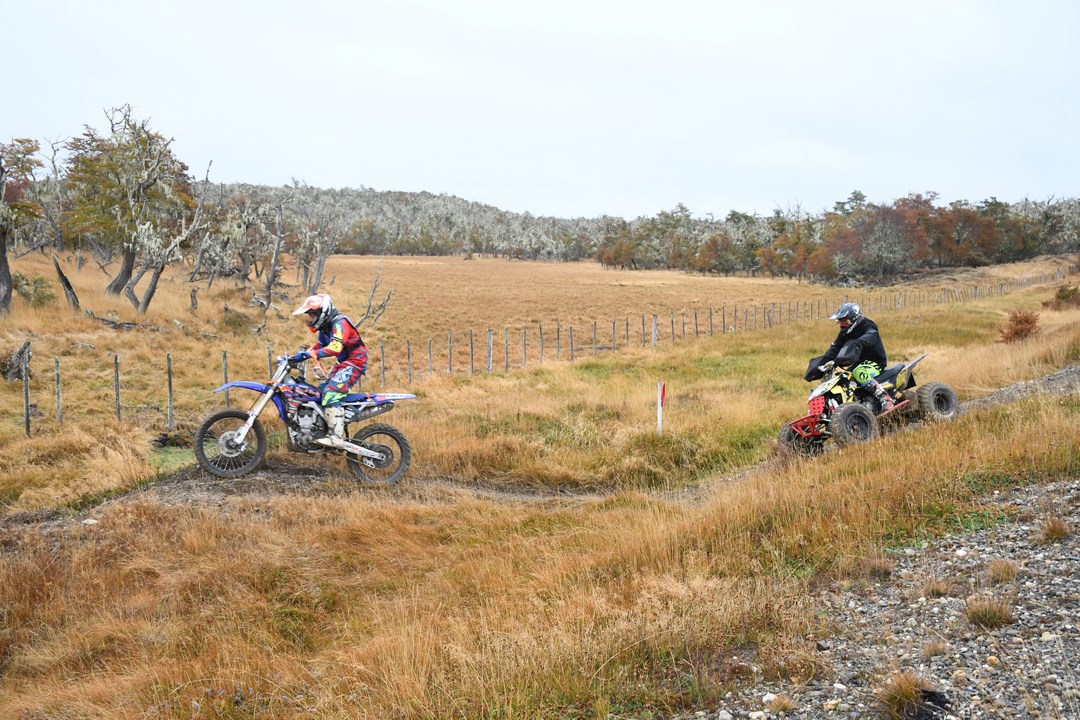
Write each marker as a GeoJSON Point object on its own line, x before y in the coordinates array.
{"type": "Point", "coordinates": [121, 198]}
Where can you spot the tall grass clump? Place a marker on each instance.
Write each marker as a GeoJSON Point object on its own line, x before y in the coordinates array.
{"type": "Point", "coordinates": [906, 695]}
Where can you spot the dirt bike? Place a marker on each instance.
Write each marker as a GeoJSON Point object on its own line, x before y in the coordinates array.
{"type": "Point", "coordinates": [841, 410]}
{"type": "Point", "coordinates": [232, 443]}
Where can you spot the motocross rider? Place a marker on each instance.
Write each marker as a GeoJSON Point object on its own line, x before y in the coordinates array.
{"type": "Point", "coordinates": [338, 337]}
{"type": "Point", "coordinates": [859, 344]}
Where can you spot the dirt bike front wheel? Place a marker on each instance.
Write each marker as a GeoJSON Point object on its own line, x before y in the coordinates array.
{"type": "Point", "coordinates": [395, 453]}
{"type": "Point", "coordinates": [217, 450]}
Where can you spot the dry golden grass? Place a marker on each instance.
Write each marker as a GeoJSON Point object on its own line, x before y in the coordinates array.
{"type": "Point", "coordinates": [988, 612]}
{"type": "Point", "coordinates": [937, 588]}
{"type": "Point", "coordinates": [902, 695]}
{"type": "Point", "coordinates": [934, 648]}
{"type": "Point", "coordinates": [1053, 530]}
{"type": "Point", "coordinates": [1002, 571]}
{"type": "Point", "coordinates": [393, 604]}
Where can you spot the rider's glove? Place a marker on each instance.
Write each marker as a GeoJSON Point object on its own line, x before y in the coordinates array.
{"type": "Point", "coordinates": [300, 357]}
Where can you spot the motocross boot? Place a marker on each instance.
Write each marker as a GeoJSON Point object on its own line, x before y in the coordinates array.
{"type": "Point", "coordinates": [335, 422]}
{"type": "Point", "coordinates": [887, 403]}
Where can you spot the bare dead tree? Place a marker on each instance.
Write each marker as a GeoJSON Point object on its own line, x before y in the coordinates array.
{"type": "Point", "coordinates": [69, 292]}
{"type": "Point", "coordinates": [277, 239]}
{"type": "Point", "coordinates": [159, 251]}
{"type": "Point", "coordinates": [374, 311]}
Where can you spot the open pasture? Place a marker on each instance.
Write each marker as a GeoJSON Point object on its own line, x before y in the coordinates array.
{"type": "Point", "coordinates": [587, 424]}
{"type": "Point", "coordinates": [608, 592]}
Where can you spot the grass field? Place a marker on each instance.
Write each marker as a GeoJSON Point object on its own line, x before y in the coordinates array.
{"type": "Point", "coordinates": [626, 586]}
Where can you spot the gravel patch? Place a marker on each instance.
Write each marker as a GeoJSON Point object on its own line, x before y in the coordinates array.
{"type": "Point", "coordinates": [1026, 668]}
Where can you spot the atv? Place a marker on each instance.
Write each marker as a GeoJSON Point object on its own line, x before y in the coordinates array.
{"type": "Point", "coordinates": [841, 410]}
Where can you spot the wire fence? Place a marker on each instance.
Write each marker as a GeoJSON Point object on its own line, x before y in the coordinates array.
{"type": "Point", "coordinates": [520, 348]}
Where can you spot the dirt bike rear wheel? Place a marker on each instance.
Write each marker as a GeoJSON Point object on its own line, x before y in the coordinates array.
{"type": "Point", "coordinates": [937, 401]}
{"type": "Point", "coordinates": [218, 455]}
{"type": "Point", "coordinates": [790, 443]}
{"type": "Point", "coordinates": [853, 423]}
{"type": "Point", "coordinates": [384, 439]}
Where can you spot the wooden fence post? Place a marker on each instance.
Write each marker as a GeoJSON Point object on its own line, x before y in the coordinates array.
{"type": "Point", "coordinates": [642, 329]}
{"type": "Point", "coordinates": [472, 354]}
{"type": "Point", "coordinates": [571, 343]}
{"type": "Point", "coordinates": [524, 347]}
{"type": "Point", "coordinates": [655, 320]}
{"type": "Point", "coordinates": [430, 357]}
{"type": "Point", "coordinates": [408, 362]}
{"type": "Point", "coordinates": [382, 364]}
{"type": "Point", "coordinates": [116, 386]}
{"type": "Point", "coordinates": [541, 344]}
{"type": "Point", "coordinates": [506, 349]}
{"type": "Point", "coordinates": [450, 352]}
{"type": "Point", "coordinates": [723, 319]}
{"type": "Point", "coordinates": [594, 337]}
{"type": "Point", "coordinates": [59, 398]}
{"type": "Point", "coordinates": [224, 376]}
{"type": "Point", "coordinates": [673, 328]}
{"type": "Point", "coordinates": [558, 340]}
{"type": "Point", "coordinates": [26, 391]}
{"type": "Point", "coordinates": [168, 375]}
{"type": "Point", "coordinates": [490, 348]}
{"type": "Point", "coordinates": [269, 361]}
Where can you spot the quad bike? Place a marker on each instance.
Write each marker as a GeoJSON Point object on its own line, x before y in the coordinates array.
{"type": "Point", "coordinates": [232, 443]}
{"type": "Point", "coordinates": [841, 410]}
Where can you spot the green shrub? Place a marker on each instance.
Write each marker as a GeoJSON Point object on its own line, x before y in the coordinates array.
{"type": "Point", "coordinates": [36, 291]}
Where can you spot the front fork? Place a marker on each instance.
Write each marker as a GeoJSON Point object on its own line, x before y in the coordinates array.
{"type": "Point", "coordinates": [260, 404]}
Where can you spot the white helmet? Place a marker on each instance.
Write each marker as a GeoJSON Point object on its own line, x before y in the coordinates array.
{"type": "Point", "coordinates": [319, 309]}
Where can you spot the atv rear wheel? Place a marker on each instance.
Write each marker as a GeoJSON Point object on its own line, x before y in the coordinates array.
{"type": "Point", "coordinates": [853, 423]}
{"type": "Point", "coordinates": [937, 401]}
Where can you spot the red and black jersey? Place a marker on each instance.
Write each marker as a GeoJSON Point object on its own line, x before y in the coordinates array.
{"type": "Point", "coordinates": [342, 341]}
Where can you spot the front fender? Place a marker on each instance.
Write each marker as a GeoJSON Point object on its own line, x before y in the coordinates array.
{"type": "Point", "coordinates": [259, 388]}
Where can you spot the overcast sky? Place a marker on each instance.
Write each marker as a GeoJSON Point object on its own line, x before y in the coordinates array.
{"type": "Point", "coordinates": [575, 108]}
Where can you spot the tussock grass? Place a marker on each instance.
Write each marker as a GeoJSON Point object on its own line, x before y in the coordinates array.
{"type": "Point", "coordinates": [988, 612]}
{"type": "Point", "coordinates": [1002, 571]}
{"type": "Point", "coordinates": [937, 588]}
{"type": "Point", "coordinates": [902, 695]}
{"type": "Point", "coordinates": [1053, 530]}
{"type": "Point", "coordinates": [934, 648]}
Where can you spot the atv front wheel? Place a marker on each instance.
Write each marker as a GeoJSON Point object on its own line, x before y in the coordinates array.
{"type": "Point", "coordinates": [853, 423]}
{"type": "Point", "coordinates": [937, 401]}
{"type": "Point", "coordinates": [791, 443]}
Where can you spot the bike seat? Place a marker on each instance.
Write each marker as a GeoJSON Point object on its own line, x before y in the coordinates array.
{"type": "Point", "coordinates": [889, 373]}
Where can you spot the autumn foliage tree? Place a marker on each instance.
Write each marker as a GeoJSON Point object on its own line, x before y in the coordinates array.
{"type": "Point", "coordinates": [17, 162]}
{"type": "Point", "coordinates": [130, 192]}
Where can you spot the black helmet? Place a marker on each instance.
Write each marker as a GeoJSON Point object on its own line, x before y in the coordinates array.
{"type": "Point", "coordinates": [848, 315]}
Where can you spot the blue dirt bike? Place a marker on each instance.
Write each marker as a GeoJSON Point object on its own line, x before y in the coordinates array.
{"type": "Point", "coordinates": [232, 443]}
